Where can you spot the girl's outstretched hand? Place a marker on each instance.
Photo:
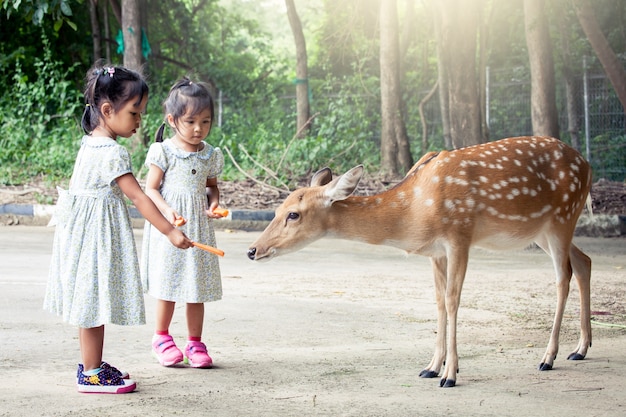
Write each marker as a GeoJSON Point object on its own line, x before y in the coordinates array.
{"type": "Point", "coordinates": [178, 239]}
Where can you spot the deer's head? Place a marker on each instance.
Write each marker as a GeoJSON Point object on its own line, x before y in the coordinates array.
{"type": "Point", "coordinates": [305, 215]}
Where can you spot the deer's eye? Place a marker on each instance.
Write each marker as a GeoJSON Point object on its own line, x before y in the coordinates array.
{"type": "Point", "coordinates": [293, 216]}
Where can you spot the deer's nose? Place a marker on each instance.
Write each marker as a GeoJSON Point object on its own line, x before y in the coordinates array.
{"type": "Point", "coordinates": [251, 253]}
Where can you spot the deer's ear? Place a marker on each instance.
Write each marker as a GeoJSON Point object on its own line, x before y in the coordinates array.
{"type": "Point", "coordinates": [342, 187]}
{"type": "Point", "coordinates": [321, 177]}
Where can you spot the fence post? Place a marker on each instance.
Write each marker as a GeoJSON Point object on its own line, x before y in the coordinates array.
{"type": "Point", "coordinates": [586, 104]}
{"type": "Point", "coordinates": [487, 96]}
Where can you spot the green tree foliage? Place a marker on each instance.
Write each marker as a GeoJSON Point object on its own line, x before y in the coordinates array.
{"type": "Point", "coordinates": [37, 11]}
{"type": "Point", "coordinates": [39, 131]}
{"type": "Point", "coordinates": [232, 44]}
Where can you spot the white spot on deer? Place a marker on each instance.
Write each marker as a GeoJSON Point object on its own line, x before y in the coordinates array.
{"type": "Point", "coordinates": [565, 197]}
{"type": "Point", "coordinates": [483, 179]}
{"type": "Point", "coordinates": [543, 211]}
{"type": "Point", "coordinates": [572, 187]}
{"type": "Point", "coordinates": [519, 152]}
{"type": "Point", "coordinates": [435, 179]}
{"type": "Point", "coordinates": [525, 190]}
{"type": "Point", "coordinates": [533, 193]}
{"type": "Point", "coordinates": [417, 191]}
{"type": "Point", "coordinates": [378, 200]}
{"type": "Point", "coordinates": [574, 167]}
{"type": "Point", "coordinates": [483, 193]}
{"type": "Point", "coordinates": [561, 174]}
{"type": "Point", "coordinates": [449, 204]}
{"type": "Point", "coordinates": [558, 155]}
{"type": "Point", "coordinates": [429, 202]}
{"type": "Point", "coordinates": [492, 211]}
{"type": "Point", "coordinates": [514, 180]}
{"type": "Point", "coordinates": [470, 202]}
{"type": "Point", "coordinates": [496, 186]}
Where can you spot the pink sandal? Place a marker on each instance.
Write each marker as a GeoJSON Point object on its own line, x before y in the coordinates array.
{"type": "Point", "coordinates": [197, 356]}
{"type": "Point", "coordinates": [166, 351]}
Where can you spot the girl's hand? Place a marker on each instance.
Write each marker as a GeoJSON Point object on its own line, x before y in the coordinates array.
{"type": "Point", "coordinates": [171, 215]}
{"type": "Point", "coordinates": [178, 239]}
{"type": "Point", "coordinates": [211, 213]}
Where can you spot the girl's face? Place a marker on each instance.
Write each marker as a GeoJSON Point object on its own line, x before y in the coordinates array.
{"type": "Point", "coordinates": [125, 121]}
{"type": "Point", "coordinates": [191, 129]}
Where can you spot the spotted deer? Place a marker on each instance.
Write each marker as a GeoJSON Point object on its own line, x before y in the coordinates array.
{"type": "Point", "coordinates": [499, 195]}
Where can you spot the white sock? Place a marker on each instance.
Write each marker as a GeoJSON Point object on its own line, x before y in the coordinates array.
{"type": "Point", "coordinates": [92, 372]}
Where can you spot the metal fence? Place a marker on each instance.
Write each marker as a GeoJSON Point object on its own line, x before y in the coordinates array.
{"type": "Point", "coordinates": [601, 118]}
{"type": "Point", "coordinates": [600, 115]}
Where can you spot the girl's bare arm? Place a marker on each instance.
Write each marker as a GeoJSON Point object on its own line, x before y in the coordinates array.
{"type": "Point", "coordinates": [131, 188]}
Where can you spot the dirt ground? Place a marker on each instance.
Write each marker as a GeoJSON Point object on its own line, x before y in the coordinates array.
{"type": "Point", "coordinates": [337, 329]}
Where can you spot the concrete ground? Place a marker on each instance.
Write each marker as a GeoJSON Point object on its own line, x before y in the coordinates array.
{"type": "Point", "coordinates": [337, 329]}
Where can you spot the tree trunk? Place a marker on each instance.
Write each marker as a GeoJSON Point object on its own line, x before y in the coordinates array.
{"type": "Point", "coordinates": [131, 28]}
{"type": "Point", "coordinates": [457, 24]}
{"type": "Point", "coordinates": [107, 33]}
{"type": "Point", "coordinates": [572, 91]}
{"type": "Point", "coordinates": [543, 110]}
{"type": "Point", "coordinates": [302, 81]}
{"type": "Point", "coordinates": [396, 157]}
{"type": "Point", "coordinates": [612, 66]}
{"type": "Point", "coordinates": [95, 30]}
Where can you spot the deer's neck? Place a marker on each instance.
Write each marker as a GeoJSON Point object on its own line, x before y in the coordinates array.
{"type": "Point", "coordinates": [381, 219]}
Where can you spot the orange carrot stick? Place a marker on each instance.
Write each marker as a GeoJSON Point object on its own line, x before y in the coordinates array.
{"type": "Point", "coordinates": [208, 248]}
{"type": "Point", "coordinates": [221, 211]}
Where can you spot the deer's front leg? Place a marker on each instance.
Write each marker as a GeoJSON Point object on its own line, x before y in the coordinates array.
{"type": "Point", "coordinates": [457, 266]}
{"type": "Point", "coordinates": [439, 356]}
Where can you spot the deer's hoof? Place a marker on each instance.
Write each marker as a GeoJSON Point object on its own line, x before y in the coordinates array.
{"type": "Point", "coordinates": [576, 357]}
{"type": "Point", "coordinates": [428, 374]}
{"type": "Point", "coordinates": [251, 253]}
{"type": "Point", "coordinates": [447, 383]}
{"type": "Point", "coordinates": [545, 367]}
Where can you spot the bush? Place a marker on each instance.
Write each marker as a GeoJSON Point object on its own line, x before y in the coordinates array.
{"type": "Point", "coordinates": [39, 130]}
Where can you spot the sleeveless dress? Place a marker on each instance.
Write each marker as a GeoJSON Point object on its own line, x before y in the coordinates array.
{"type": "Point", "coordinates": [169, 273]}
{"type": "Point", "coordinates": [94, 272]}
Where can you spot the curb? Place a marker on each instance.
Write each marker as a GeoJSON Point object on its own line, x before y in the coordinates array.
{"type": "Point", "coordinates": [40, 215]}
{"type": "Point", "coordinates": [599, 225]}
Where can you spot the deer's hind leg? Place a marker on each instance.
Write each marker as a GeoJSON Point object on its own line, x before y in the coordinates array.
{"type": "Point", "coordinates": [581, 265]}
{"type": "Point", "coordinates": [559, 250]}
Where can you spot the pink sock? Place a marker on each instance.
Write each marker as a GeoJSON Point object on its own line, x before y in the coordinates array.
{"type": "Point", "coordinates": [162, 332]}
{"type": "Point", "coordinates": [195, 338]}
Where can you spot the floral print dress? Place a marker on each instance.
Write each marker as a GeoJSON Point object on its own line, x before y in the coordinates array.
{"type": "Point", "coordinates": [94, 273]}
{"type": "Point", "coordinates": [169, 273]}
